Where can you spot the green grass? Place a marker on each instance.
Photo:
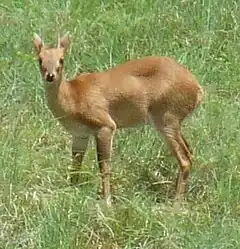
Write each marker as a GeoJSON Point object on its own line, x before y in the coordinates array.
{"type": "Point", "coordinates": [37, 208]}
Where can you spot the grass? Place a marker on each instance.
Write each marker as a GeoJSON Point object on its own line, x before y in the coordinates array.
{"type": "Point", "coordinates": [37, 208]}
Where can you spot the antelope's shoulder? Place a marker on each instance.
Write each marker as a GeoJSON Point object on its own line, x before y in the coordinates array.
{"type": "Point", "coordinates": [81, 93]}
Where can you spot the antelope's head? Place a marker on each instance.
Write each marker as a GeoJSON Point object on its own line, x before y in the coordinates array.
{"type": "Point", "coordinates": [51, 60]}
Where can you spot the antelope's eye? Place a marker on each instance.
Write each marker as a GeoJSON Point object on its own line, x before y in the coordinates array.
{"type": "Point", "coordinates": [61, 61]}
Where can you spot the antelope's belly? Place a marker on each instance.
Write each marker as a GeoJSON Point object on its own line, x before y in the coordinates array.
{"type": "Point", "coordinates": [75, 128]}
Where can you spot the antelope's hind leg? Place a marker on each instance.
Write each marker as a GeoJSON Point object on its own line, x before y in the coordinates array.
{"type": "Point", "coordinates": [170, 128]}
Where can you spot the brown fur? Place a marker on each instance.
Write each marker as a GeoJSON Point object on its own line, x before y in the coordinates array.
{"type": "Point", "coordinates": [151, 89]}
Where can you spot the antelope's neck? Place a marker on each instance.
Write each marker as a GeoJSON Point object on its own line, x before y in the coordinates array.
{"type": "Point", "coordinates": [53, 93]}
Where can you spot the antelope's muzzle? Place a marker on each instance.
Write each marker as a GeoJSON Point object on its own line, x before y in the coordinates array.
{"type": "Point", "coordinates": [50, 77]}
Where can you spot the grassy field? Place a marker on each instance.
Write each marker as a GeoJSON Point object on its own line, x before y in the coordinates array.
{"type": "Point", "coordinates": [38, 210]}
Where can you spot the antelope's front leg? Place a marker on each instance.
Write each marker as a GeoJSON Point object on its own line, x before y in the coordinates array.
{"type": "Point", "coordinates": [104, 139]}
{"type": "Point", "coordinates": [79, 147]}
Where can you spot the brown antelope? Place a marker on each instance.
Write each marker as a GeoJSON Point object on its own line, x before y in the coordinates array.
{"type": "Point", "coordinates": [155, 90]}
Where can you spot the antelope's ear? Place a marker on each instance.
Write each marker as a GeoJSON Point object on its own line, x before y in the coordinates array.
{"type": "Point", "coordinates": [64, 42]}
{"type": "Point", "coordinates": [38, 43]}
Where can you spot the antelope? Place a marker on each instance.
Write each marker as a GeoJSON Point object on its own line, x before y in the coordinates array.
{"type": "Point", "coordinates": [150, 90]}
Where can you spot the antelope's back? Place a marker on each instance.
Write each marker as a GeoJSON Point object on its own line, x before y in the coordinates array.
{"type": "Point", "coordinates": [150, 78]}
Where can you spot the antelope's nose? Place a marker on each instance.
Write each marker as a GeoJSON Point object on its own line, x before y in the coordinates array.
{"type": "Point", "coordinates": [50, 77]}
